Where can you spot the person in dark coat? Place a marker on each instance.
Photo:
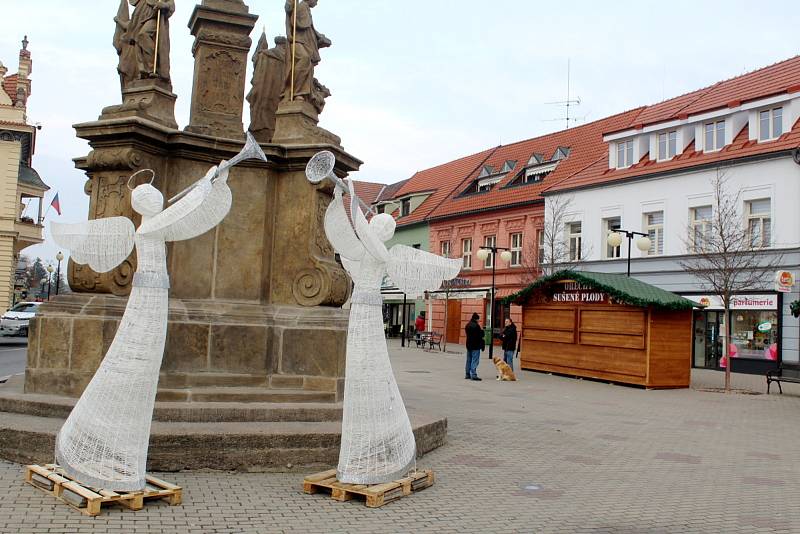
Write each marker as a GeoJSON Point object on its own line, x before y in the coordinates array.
{"type": "Point", "coordinates": [509, 337]}
{"type": "Point", "coordinates": [475, 344]}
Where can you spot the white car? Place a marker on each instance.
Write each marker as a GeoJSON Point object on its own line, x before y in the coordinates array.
{"type": "Point", "coordinates": [15, 321]}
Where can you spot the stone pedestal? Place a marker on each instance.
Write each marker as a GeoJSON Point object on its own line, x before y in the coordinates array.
{"type": "Point", "coordinates": [152, 100]}
{"type": "Point", "coordinates": [221, 29]}
{"type": "Point", "coordinates": [297, 122]}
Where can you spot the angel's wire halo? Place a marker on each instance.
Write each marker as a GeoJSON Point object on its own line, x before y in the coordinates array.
{"type": "Point", "coordinates": [320, 166]}
{"type": "Point", "coordinates": [134, 175]}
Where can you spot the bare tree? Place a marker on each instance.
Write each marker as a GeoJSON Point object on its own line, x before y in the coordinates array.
{"type": "Point", "coordinates": [555, 251]}
{"type": "Point", "coordinates": [726, 254]}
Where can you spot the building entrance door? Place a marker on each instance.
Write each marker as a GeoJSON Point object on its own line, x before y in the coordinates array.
{"type": "Point", "coordinates": [707, 341]}
{"type": "Point", "coordinates": [453, 326]}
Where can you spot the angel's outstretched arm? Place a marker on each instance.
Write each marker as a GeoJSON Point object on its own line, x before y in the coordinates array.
{"type": "Point", "coordinates": [203, 208]}
{"type": "Point", "coordinates": [101, 243]}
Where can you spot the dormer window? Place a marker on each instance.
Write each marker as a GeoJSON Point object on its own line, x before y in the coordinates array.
{"type": "Point", "coordinates": [624, 153]}
{"type": "Point", "coordinates": [381, 208]}
{"type": "Point", "coordinates": [770, 124]}
{"type": "Point", "coordinates": [715, 136]}
{"type": "Point", "coordinates": [509, 165]}
{"type": "Point", "coordinates": [561, 153]}
{"type": "Point", "coordinates": [405, 207]}
{"type": "Point", "coordinates": [536, 159]}
{"type": "Point", "coordinates": [486, 171]}
{"type": "Point", "coordinates": [667, 145]}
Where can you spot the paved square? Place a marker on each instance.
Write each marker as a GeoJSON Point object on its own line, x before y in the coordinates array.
{"type": "Point", "coordinates": [544, 454]}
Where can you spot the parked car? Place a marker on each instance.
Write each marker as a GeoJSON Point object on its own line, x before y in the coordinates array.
{"type": "Point", "coordinates": [15, 321]}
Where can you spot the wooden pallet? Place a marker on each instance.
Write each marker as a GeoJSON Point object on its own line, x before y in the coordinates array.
{"type": "Point", "coordinates": [376, 494]}
{"type": "Point", "coordinates": [51, 479]}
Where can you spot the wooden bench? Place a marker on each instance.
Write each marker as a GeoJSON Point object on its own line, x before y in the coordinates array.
{"type": "Point", "coordinates": [786, 372]}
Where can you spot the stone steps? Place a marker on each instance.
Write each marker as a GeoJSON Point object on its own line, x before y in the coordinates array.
{"type": "Point", "coordinates": [241, 446]}
{"type": "Point", "coordinates": [243, 395]}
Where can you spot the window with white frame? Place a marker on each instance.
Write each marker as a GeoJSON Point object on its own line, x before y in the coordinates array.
{"type": "Point", "coordinates": [667, 145]}
{"type": "Point", "coordinates": [516, 249]}
{"type": "Point", "coordinates": [770, 124]}
{"type": "Point", "coordinates": [466, 252]}
{"type": "Point", "coordinates": [540, 241]}
{"type": "Point", "coordinates": [715, 136]}
{"type": "Point", "coordinates": [624, 153]}
{"type": "Point", "coordinates": [700, 221]}
{"type": "Point", "coordinates": [611, 225]}
{"type": "Point", "coordinates": [574, 241]}
{"type": "Point", "coordinates": [488, 242]}
{"type": "Point", "coordinates": [759, 222]}
{"type": "Point", "coordinates": [444, 249]}
{"type": "Point", "coordinates": [654, 227]}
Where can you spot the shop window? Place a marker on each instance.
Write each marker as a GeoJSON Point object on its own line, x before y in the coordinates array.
{"type": "Point", "coordinates": [444, 249]}
{"type": "Point", "coordinates": [611, 225]}
{"type": "Point", "coordinates": [466, 252]}
{"type": "Point", "coordinates": [489, 241]}
{"type": "Point", "coordinates": [754, 334]}
{"type": "Point", "coordinates": [759, 222]}
{"type": "Point", "coordinates": [516, 250]}
{"type": "Point", "coordinates": [654, 226]}
{"type": "Point", "coordinates": [574, 241]}
{"type": "Point", "coordinates": [700, 219]}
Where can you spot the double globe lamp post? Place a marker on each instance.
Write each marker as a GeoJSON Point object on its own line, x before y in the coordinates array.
{"type": "Point", "coordinates": [615, 239]}
{"type": "Point", "coordinates": [483, 255]}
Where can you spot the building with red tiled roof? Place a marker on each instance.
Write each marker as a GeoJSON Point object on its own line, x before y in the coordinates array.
{"type": "Point", "coordinates": [657, 178]}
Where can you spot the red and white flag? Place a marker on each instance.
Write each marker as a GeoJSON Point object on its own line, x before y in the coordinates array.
{"type": "Point", "coordinates": [56, 204]}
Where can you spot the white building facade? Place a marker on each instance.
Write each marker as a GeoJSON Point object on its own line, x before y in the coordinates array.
{"type": "Point", "coordinates": [658, 180]}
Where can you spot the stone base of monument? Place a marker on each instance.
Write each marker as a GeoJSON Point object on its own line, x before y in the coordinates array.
{"type": "Point", "coordinates": [229, 436]}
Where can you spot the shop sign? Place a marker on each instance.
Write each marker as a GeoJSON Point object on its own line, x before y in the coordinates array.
{"type": "Point", "coordinates": [784, 281]}
{"type": "Point", "coordinates": [577, 292]}
{"type": "Point", "coordinates": [738, 302]}
{"type": "Point", "coordinates": [766, 326]}
{"type": "Point", "coordinates": [457, 282]}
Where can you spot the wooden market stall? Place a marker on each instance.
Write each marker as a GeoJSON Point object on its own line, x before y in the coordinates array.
{"type": "Point", "coordinates": [606, 326]}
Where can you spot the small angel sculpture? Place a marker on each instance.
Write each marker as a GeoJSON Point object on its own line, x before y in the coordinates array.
{"type": "Point", "coordinates": [103, 442]}
{"type": "Point", "coordinates": [377, 441]}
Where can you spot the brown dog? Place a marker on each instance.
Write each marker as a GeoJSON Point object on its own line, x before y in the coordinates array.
{"type": "Point", "coordinates": [504, 371]}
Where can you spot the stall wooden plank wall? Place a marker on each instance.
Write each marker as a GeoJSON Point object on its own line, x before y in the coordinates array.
{"type": "Point", "coordinates": [641, 346]}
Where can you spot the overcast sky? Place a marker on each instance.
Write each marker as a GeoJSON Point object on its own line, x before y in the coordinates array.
{"type": "Point", "coordinates": [415, 83]}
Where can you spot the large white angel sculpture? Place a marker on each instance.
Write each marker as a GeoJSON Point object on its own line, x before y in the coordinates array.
{"type": "Point", "coordinates": [103, 442]}
{"type": "Point", "coordinates": [377, 441]}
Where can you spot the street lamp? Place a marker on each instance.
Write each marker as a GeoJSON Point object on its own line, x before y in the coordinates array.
{"type": "Point", "coordinates": [49, 279]}
{"type": "Point", "coordinates": [59, 257]}
{"type": "Point", "coordinates": [643, 243]}
{"type": "Point", "coordinates": [483, 255]}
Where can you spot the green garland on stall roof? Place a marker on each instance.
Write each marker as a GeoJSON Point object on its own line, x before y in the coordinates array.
{"type": "Point", "coordinates": [674, 302]}
{"type": "Point", "coordinates": [795, 307]}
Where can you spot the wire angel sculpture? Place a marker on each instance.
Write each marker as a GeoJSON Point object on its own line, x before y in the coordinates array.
{"type": "Point", "coordinates": [377, 441]}
{"type": "Point", "coordinates": [103, 442]}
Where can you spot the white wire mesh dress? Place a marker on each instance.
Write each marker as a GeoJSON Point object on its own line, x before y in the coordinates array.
{"type": "Point", "coordinates": [377, 441]}
{"type": "Point", "coordinates": [103, 442]}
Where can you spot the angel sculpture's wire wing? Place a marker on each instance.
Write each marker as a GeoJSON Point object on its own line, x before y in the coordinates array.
{"type": "Point", "coordinates": [415, 271]}
{"type": "Point", "coordinates": [371, 242]}
{"type": "Point", "coordinates": [101, 243]}
{"type": "Point", "coordinates": [199, 211]}
{"type": "Point", "coordinates": [340, 233]}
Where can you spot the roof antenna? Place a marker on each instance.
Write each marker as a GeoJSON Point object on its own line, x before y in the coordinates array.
{"type": "Point", "coordinates": [568, 102]}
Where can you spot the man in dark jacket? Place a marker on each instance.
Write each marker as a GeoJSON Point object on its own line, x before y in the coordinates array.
{"type": "Point", "coordinates": [475, 344]}
{"type": "Point", "coordinates": [509, 337]}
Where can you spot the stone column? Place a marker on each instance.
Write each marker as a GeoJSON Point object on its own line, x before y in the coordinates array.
{"type": "Point", "coordinates": [222, 43]}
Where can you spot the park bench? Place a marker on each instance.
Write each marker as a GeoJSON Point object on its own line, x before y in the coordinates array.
{"type": "Point", "coordinates": [435, 340]}
{"type": "Point", "coordinates": [786, 372]}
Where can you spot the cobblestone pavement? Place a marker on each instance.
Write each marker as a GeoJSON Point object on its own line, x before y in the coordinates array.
{"type": "Point", "coordinates": [544, 454]}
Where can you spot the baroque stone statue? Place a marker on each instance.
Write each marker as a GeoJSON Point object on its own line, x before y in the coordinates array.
{"type": "Point", "coordinates": [269, 73]}
{"type": "Point", "coordinates": [142, 40]}
{"type": "Point", "coordinates": [304, 44]}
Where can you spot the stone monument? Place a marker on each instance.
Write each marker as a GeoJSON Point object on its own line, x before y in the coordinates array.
{"type": "Point", "coordinates": [256, 335]}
